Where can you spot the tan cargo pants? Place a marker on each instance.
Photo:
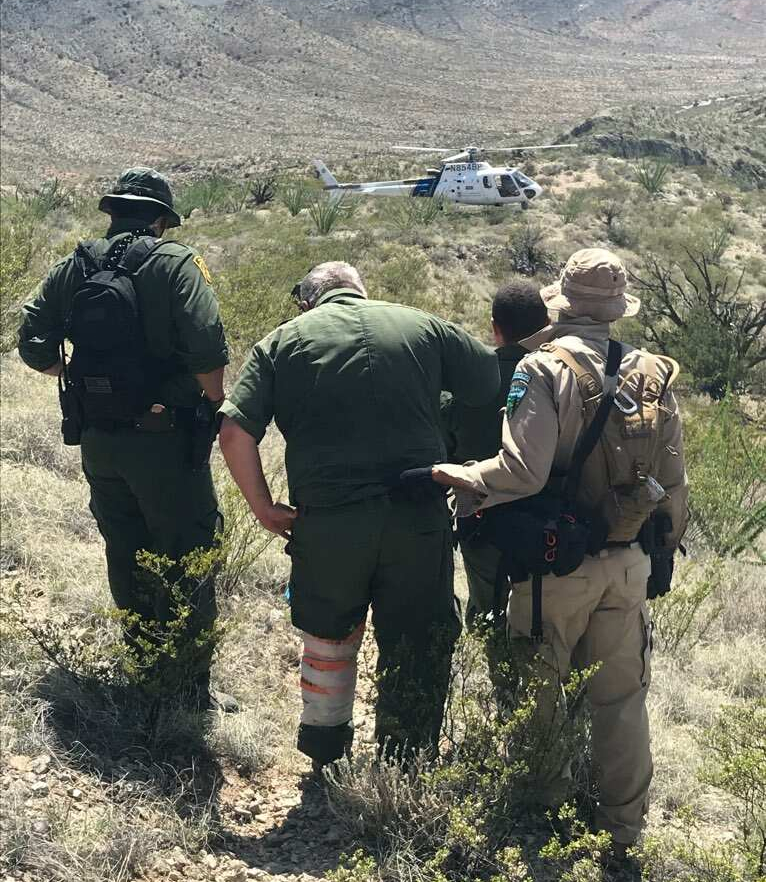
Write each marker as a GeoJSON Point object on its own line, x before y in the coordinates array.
{"type": "Point", "coordinates": [595, 615]}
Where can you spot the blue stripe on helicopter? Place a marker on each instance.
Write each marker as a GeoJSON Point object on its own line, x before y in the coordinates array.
{"type": "Point", "coordinates": [425, 187]}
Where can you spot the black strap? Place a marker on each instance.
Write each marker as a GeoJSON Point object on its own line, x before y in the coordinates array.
{"type": "Point", "coordinates": [85, 260]}
{"type": "Point", "coordinates": [537, 608]}
{"type": "Point", "coordinates": [137, 252]}
{"type": "Point", "coordinates": [592, 433]}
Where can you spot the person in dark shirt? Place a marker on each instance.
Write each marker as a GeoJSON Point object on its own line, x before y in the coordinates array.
{"type": "Point", "coordinates": [474, 433]}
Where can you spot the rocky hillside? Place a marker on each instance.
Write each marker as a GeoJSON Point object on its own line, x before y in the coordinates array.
{"type": "Point", "coordinates": [216, 79]}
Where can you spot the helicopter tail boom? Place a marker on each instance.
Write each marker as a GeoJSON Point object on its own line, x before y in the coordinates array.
{"type": "Point", "coordinates": [325, 175]}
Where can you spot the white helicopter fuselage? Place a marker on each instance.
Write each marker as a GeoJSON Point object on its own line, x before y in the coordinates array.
{"type": "Point", "coordinates": [469, 183]}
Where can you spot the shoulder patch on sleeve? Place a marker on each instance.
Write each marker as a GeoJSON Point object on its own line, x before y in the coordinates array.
{"type": "Point", "coordinates": [518, 389]}
{"type": "Point", "coordinates": [199, 262]}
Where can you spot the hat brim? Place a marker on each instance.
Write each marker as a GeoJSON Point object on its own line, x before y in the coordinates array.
{"type": "Point", "coordinates": [605, 309]}
{"type": "Point", "coordinates": [103, 205]}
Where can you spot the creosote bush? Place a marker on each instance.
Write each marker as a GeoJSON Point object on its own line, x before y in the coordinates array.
{"type": "Point", "coordinates": [457, 818]}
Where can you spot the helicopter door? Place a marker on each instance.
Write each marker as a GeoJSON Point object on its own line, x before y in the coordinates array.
{"type": "Point", "coordinates": [506, 186]}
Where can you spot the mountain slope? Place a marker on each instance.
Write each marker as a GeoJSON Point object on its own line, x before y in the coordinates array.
{"type": "Point", "coordinates": [284, 77]}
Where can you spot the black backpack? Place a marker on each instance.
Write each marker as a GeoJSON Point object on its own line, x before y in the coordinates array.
{"type": "Point", "coordinates": [110, 369]}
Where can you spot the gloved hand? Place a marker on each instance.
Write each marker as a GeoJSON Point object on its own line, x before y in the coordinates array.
{"type": "Point", "coordinates": [416, 476]}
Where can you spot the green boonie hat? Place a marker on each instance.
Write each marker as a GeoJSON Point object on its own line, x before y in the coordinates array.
{"type": "Point", "coordinates": [142, 185]}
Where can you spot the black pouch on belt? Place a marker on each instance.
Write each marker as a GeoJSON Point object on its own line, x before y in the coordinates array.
{"type": "Point", "coordinates": [204, 428]}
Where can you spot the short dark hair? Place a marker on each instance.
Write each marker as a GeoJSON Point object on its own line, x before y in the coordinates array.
{"type": "Point", "coordinates": [518, 310]}
{"type": "Point", "coordinates": [148, 212]}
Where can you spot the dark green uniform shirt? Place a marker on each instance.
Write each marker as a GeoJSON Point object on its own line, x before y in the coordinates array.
{"type": "Point", "coordinates": [354, 386]}
{"type": "Point", "coordinates": [178, 308]}
{"type": "Point", "coordinates": [475, 433]}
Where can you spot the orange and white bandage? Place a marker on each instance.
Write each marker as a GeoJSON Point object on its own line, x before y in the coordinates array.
{"type": "Point", "coordinates": [328, 678]}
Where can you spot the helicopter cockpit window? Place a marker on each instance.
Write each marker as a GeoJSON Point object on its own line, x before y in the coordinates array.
{"type": "Point", "coordinates": [522, 180]}
{"type": "Point", "coordinates": [487, 183]}
{"type": "Point", "coordinates": [506, 185]}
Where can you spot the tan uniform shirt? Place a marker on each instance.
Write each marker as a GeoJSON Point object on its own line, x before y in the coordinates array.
{"type": "Point", "coordinates": [540, 435]}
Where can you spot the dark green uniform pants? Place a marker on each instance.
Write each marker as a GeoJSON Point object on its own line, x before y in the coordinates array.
{"type": "Point", "coordinates": [393, 554]}
{"type": "Point", "coordinates": [144, 495]}
{"type": "Point", "coordinates": [481, 560]}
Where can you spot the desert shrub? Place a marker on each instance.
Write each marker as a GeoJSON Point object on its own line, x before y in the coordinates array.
{"type": "Point", "coordinates": [527, 253]}
{"type": "Point", "coordinates": [716, 243]}
{"type": "Point", "coordinates": [36, 203]}
{"type": "Point", "coordinates": [679, 855]}
{"type": "Point", "coordinates": [652, 176]}
{"type": "Point", "coordinates": [684, 616]}
{"type": "Point", "coordinates": [573, 206]}
{"type": "Point", "coordinates": [211, 194]}
{"type": "Point", "coordinates": [726, 460]}
{"type": "Point", "coordinates": [18, 245]}
{"type": "Point", "coordinates": [402, 275]}
{"type": "Point", "coordinates": [694, 313]}
{"type": "Point", "coordinates": [295, 196]}
{"type": "Point", "coordinates": [258, 190]}
{"type": "Point", "coordinates": [736, 746]}
{"type": "Point", "coordinates": [456, 818]}
{"type": "Point", "coordinates": [408, 213]}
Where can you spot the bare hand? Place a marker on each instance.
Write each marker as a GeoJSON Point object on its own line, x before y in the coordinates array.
{"type": "Point", "coordinates": [278, 518]}
{"type": "Point", "coordinates": [447, 480]}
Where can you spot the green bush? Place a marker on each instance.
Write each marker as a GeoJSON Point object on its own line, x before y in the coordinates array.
{"type": "Point", "coordinates": [527, 253]}
{"type": "Point", "coordinates": [211, 194]}
{"type": "Point", "coordinates": [726, 461]}
{"type": "Point", "coordinates": [573, 206]}
{"type": "Point", "coordinates": [736, 746]}
{"type": "Point", "coordinates": [18, 245]}
{"type": "Point", "coordinates": [402, 275]}
{"type": "Point", "coordinates": [36, 203]}
{"type": "Point", "coordinates": [407, 213]}
{"type": "Point", "coordinates": [693, 312]}
{"type": "Point", "coordinates": [457, 818]}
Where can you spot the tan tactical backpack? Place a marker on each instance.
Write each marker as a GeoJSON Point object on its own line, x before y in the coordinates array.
{"type": "Point", "coordinates": [619, 483]}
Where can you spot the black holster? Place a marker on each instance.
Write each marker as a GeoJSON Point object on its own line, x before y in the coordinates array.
{"type": "Point", "coordinates": [204, 428]}
{"type": "Point", "coordinates": [653, 538]}
{"type": "Point", "coordinates": [72, 417]}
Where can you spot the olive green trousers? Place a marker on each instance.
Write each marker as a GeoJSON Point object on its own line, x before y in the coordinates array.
{"type": "Point", "coordinates": [392, 554]}
{"type": "Point", "coordinates": [480, 560]}
{"type": "Point", "coordinates": [144, 496]}
{"type": "Point", "coordinates": [598, 616]}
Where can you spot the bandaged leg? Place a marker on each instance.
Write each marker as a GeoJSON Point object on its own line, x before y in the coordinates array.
{"type": "Point", "coordinates": [328, 684]}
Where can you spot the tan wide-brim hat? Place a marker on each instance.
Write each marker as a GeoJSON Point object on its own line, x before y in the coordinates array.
{"type": "Point", "coordinates": [592, 284]}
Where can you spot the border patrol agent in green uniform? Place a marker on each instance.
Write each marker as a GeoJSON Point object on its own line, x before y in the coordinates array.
{"type": "Point", "coordinates": [144, 492]}
{"type": "Point", "coordinates": [475, 433]}
{"type": "Point", "coordinates": [353, 385]}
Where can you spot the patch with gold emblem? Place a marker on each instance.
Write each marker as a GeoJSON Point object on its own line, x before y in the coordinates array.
{"type": "Point", "coordinates": [202, 267]}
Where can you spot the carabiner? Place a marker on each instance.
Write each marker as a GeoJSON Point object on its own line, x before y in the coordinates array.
{"type": "Point", "coordinates": [630, 408]}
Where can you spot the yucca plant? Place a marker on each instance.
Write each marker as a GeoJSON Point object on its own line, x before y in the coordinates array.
{"type": "Point", "coordinates": [326, 210]}
{"type": "Point", "coordinates": [294, 196]}
{"type": "Point", "coordinates": [651, 176]}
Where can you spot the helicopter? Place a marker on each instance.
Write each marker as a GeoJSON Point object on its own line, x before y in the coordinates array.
{"type": "Point", "coordinates": [463, 177]}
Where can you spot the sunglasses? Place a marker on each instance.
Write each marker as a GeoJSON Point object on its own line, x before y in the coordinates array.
{"type": "Point", "coordinates": [296, 290]}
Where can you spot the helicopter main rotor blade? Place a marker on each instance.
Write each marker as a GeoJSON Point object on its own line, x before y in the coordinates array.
{"type": "Point", "coordinates": [527, 147]}
{"type": "Point", "coordinates": [423, 149]}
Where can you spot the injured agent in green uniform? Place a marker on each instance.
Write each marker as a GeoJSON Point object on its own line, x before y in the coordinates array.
{"type": "Point", "coordinates": [354, 385]}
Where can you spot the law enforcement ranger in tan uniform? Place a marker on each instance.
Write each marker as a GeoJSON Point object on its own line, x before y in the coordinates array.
{"type": "Point", "coordinates": [598, 613]}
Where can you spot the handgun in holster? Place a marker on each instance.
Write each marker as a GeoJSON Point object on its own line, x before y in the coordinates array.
{"type": "Point", "coordinates": [653, 539]}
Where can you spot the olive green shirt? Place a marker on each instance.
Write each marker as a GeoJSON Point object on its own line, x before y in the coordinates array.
{"type": "Point", "coordinates": [354, 385]}
{"type": "Point", "coordinates": [178, 306]}
{"type": "Point", "coordinates": [475, 433]}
